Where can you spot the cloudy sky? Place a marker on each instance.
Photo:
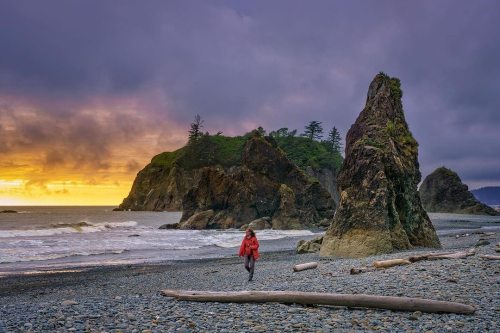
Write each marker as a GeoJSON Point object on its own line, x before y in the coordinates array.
{"type": "Point", "coordinates": [91, 90]}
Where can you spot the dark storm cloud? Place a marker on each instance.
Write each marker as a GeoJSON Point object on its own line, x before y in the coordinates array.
{"type": "Point", "coordinates": [277, 64]}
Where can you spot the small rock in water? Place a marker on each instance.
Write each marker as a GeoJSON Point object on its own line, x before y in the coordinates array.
{"type": "Point", "coordinates": [69, 302]}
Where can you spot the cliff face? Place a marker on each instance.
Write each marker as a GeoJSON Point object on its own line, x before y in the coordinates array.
{"type": "Point", "coordinates": [443, 191]}
{"type": "Point", "coordinates": [379, 209]}
{"type": "Point", "coordinates": [328, 179]}
{"type": "Point", "coordinates": [160, 188]}
{"type": "Point", "coordinates": [260, 181]}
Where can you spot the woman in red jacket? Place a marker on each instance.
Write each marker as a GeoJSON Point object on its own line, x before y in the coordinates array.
{"type": "Point", "coordinates": [249, 249]}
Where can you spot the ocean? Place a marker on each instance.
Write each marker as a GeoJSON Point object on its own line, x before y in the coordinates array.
{"type": "Point", "coordinates": [53, 238]}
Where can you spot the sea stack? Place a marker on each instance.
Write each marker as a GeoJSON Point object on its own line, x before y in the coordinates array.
{"type": "Point", "coordinates": [443, 192]}
{"type": "Point", "coordinates": [379, 209]}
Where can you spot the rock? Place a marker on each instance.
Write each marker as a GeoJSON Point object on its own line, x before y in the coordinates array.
{"type": "Point", "coordinates": [69, 303]}
{"type": "Point", "coordinates": [443, 192]}
{"type": "Point", "coordinates": [482, 242]}
{"type": "Point", "coordinates": [312, 246]}
{"type": "Point", "coordinates": [8, 211]}
{"type": "Point", "coordinates": [134, 235]}
{"type": "Point", "coordinates": [198, 221]}
{"type": "Point", "coordinates": [241, 179]}
{"type": "Point", "coordinates": [260, 224]}
{"type": "Point", "coordinates": [266, 184]}
{"type": "Point", "coordinates": [169, 226]}
{"type": "Point", "coordinates": [379, 209]}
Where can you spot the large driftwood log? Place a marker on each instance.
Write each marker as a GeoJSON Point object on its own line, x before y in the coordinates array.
{"type": "Point", "coordinates": [390, 263]}
{"type": "Point", "coordinates": [455, 255]}
{"type": "Point", "coordinates": [443, 255]}
{"type": "Point", "coordinates": [490, 257]}
{"type": "Point", "coordinates": [303, 267]}
{"type": "Point", "coordinates": [309, 298]}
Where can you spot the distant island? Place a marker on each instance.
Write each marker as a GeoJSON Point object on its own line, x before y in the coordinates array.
{"type": "Point", "coordinates": [443, 192]}
{"type": "Point", "coordinates": [489, 195]}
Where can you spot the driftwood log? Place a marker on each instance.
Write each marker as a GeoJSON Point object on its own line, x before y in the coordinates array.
{"type": "Point", "coordinates": [303, 267]}
{"type": "Point", "coordinates": [490, 257]}
{"type": "Point", "coordinates": [412, 259]}
{"type": "Point", "coordinates": [309, 298]}
{"type": "Point", "coordinates": [390, 263]}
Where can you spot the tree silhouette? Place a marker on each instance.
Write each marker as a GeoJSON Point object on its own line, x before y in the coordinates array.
{"type": "Point", "coordinates": [195, 132]}
{"type": "Point", "coordinates": [314, 130]}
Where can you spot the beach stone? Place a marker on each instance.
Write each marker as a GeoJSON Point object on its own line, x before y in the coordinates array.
{"type": "Point", "coordinates": [312, 246]}
{"type": "Point", "coordinates": [482, 242]}
{"type": "Point", "coordinates": [261, 223]}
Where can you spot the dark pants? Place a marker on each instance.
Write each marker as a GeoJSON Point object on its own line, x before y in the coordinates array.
{"type": "Point", "coordinates": [249, 266]}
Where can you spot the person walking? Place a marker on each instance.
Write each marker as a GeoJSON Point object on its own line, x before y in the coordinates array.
{"type": "Point", "coordinates": [249, 250]}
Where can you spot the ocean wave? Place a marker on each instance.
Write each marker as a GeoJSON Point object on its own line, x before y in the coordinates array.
{"type": "Point", "coordinates": [67, 228]}
{"type": "Point", "coordinates": [53, 256]}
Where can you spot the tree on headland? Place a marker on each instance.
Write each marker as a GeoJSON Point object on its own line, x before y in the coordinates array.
{"type": "Point", "coordinates": [282, 132]}
{"type": "Point", "coordinates": [195, 132]}
{"type": "Point", "coordinates": [313, 130]}
{"type": "Point", "coordinates": [334, 141]}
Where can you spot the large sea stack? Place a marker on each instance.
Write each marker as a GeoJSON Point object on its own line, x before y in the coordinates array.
{"type": "Point", "coordinates": [225, 182]}
{"type": "Point", "coordinates": [443, 192]}
{"type": "Point", "coordinates": [379, 209]}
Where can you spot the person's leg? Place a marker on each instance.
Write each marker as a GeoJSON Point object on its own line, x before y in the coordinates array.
{"type": "Point", "coordinates": [247, 263]}
{"type": "Point", "coordinates": [252, 267]}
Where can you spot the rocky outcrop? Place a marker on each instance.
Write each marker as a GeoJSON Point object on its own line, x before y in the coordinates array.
{"type": "Point", "coordinates": [311, 246]}
{"type": "Point", "coordinates": [379, 209]}
{"type": "Point", "coordinates": [443, 192]}
{"type": "Point", "coordinates": [160, 188]}
{"type": "Point", "coordinates": [260, 224]}
{"type": "Point", "coordinates": [238, 179]}
{"type": "Point", "coordinates": [266, 184]}
{"type": "Point", "coordinates": [328, 179]}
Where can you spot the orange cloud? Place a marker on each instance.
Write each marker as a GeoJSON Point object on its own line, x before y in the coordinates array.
{"type": "Point", "coordinates": [89, 154]}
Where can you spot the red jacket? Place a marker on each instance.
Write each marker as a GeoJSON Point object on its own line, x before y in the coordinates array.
{"type": "Point", "coordinates": [249, 246]}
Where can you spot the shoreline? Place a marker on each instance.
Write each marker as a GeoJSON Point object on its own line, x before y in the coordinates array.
{"type": "Point", "coordinates": [127, 298]}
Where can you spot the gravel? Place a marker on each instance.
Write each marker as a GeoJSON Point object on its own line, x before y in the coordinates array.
{"type": "Point", "coordinates": [127, 298]}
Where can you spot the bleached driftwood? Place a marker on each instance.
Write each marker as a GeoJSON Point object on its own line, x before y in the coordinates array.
{"type": "Point", "coordinates": [455, 255]}
{"type": "Point", "coordinates": [490, 257]}
{"type": "Point", "coordinates": [303, 267]}
{"type": "Point", "coordinates": [443, 255]}
{"type": "Point", "coordinates": [390, 263]}
{"type": "Point", "coordinates": [309, 298]}
{"type": "Point", "coordinates": [360, 270]}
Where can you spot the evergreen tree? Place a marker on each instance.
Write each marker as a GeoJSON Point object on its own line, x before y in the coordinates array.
{"type": "Point", "coordinates": [334, 140]}
{"type": "Point", "coordinates": [283, 132]}
{"type": "Point", "coordinates": [195, 132]}
{"type": "Point", "coordinates": [261, 131]}
{"type": "Point", "coordinates": [314, 130]}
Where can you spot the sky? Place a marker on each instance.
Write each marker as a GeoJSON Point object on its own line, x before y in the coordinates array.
{"type": "Point", "coordinates": [91, 90]}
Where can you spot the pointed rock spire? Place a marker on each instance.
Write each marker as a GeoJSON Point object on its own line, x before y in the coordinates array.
{"type": "Point", "coordinates": [379, 209]}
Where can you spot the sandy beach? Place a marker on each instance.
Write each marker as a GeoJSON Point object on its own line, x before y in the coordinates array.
{"type": "Point", "coordinates": [127, 298]}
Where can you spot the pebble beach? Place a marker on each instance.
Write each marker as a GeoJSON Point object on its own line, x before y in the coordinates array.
{"type": "Point", "coordinates": [127, 298]}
